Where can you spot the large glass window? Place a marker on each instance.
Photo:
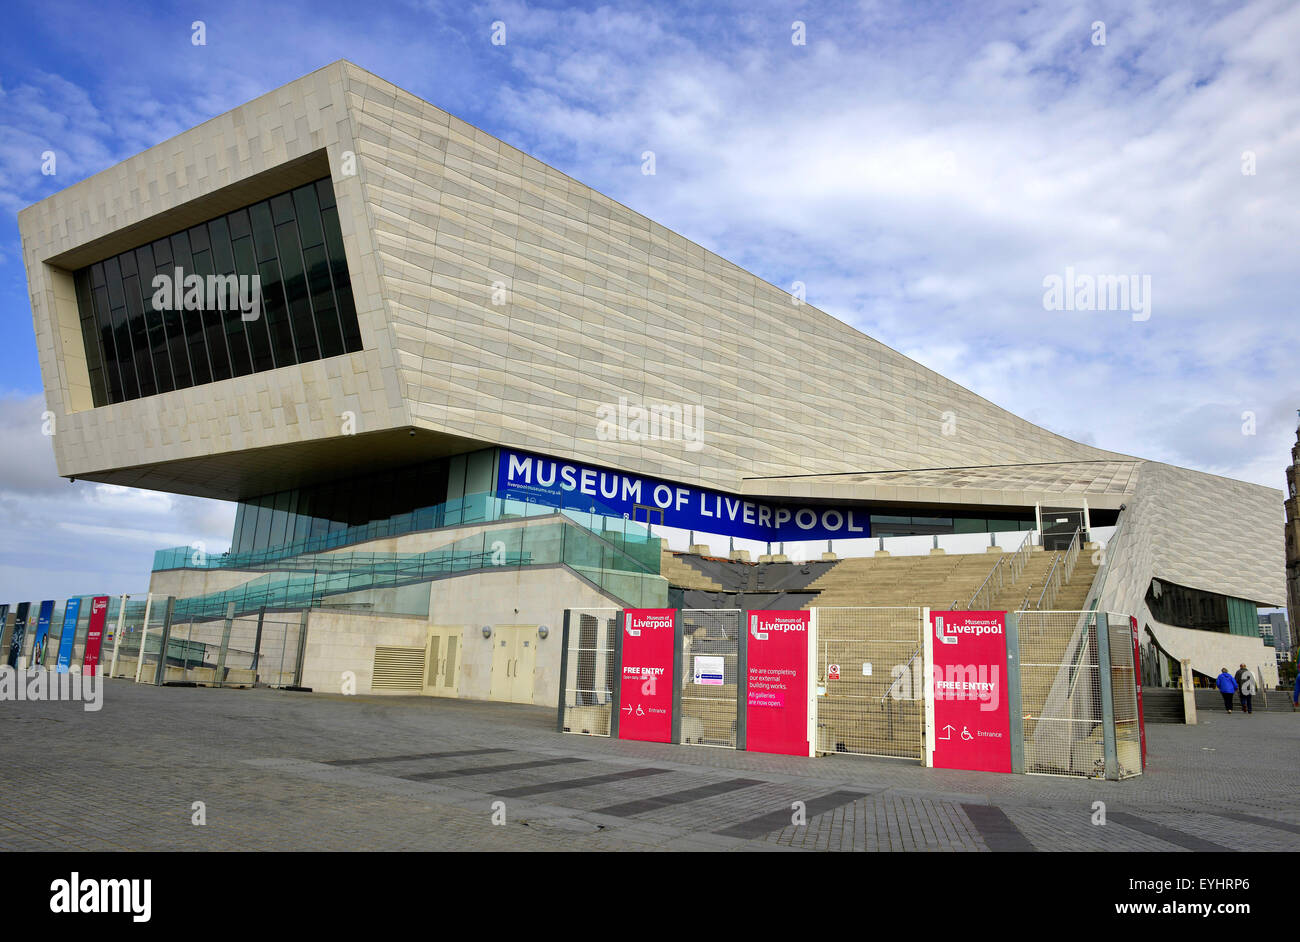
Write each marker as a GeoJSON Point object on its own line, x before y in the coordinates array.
{"type": "Point", "coordinates": [417, 497]}
{"type": "Point", "coordinates": [1184, 607]}
{"type": "Point", "coordinates": [140, 341]}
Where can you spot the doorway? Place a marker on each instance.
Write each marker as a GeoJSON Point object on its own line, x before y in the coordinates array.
{"type": "Point", "coordinates": [442, 661]}
{"type": "Point", "coordinates": [514, 657]}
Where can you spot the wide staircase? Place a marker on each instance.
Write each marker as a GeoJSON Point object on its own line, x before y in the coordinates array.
{"type": "Point", "coordinates": [936, 581]}
{"type": "Point", "coordinates": [939, 581]}
{"type": "Point", "coordinates": [1026, 591]}
{"type": "Point", "coordinates": [684, 576]}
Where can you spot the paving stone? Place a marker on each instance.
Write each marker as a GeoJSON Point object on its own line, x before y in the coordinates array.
{"type": "Point", "coordinates": [322, 772]}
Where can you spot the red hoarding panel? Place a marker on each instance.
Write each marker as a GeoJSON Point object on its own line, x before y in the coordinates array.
{"type": "Point", "coordinates": [972, 721]}
{"type": "Point", "coordinates": [646, 704]}
{"type": "Point", "coordinates": [776, 709]}
{"type": "Point", "coordinates": [1137, 679]}
{"type": "Point", "coordinates": [94, 634]}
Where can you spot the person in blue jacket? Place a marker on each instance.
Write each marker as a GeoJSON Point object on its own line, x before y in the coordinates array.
{"type": "Point", "coordinates": [1295, 694]}
{"type": "Point", "coordinates": [1227, 686]}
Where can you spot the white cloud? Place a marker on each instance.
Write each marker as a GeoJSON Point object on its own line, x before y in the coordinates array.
{"type": "Point", "coordinates": [63, 539]}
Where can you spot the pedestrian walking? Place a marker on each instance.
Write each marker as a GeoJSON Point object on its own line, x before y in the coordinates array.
{"type": "Point", "coordinates": [1245, 687]}
{"type": "Point", "coordinates": [1295, 693]}
{"type": "Point", "coordinates": [1227, 686]}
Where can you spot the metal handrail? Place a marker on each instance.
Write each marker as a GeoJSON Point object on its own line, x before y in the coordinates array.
{"type": "Point", "coordinates": [1020, 558]}
{"type": "Point", "coordinates": [1103, 573]}
{"type": "Point", "coordinates": [906, 667]}
{"type": "Point", "coordinates": [1047, 584]}
{"type": "Point", "coordinates": [996, 571]}
{"type": "Point", "coordinates": [1072, 554]}
{"type": "Point", "coordinates": [1059, 574]}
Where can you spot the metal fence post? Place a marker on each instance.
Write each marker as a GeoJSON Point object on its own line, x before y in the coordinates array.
{"type": "Point", "coordinates": [225, 643]}
{"type": "Point", "coordinates": [564, 671]}
{"type": "Point", "coordinates": [257, 641]}
{"type": "Point", "coordinates": [160, 673]}
{"type": "Point", "coordinates": [144, 636]}
{"type": "Point", "coordinates": [616, 687]}
{"type": "Point", "coordinates": [1107, 704]}
{"type": "Point", "coordinates": [1014, 697]}
{"type": "Point", "coordinates": [117, 636]}
{"type": "Point", "coordinates": [742, 678]}
{"type": "Point", "coordinates": [676, 733]}
{"type": "Point", "coordinates": [303, 620]}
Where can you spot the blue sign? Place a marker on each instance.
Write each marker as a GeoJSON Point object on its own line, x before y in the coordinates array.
{"type": "Point", "coordinates": [70, 613]}
{"type": "Point", "coordinates": [20, 632]}
{"type": "Point", "coordinates": [568, 484]}
{"type": "Point", "coordinates": [42, 633]}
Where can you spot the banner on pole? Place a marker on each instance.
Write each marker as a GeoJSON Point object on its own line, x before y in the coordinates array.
{"type": "Point", "coordinates": [95, 635]}
{"type": "Point", "coordinates": [20, 632]}
{"type": "Point", "coordinates": [69, 634]}
{"type": "Point", "coordinates": [42, 633]}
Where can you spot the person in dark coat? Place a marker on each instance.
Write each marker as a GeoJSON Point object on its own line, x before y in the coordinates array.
{"type": "Point", "coordinates": [1245, 687]}
{"type": "Point", "coordinates": [1227, 686]}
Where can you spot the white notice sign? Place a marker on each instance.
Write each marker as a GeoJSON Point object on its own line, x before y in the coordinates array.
{"type": "Point", "coordinates": [708, 670]}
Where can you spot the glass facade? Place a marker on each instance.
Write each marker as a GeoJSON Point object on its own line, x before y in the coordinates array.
{"type": "Point", "coordinates": [140, 342]}
{"type": "Point", "coordinates": [905, 525]}
{"type": "Point", "coordinates": [1207, 611]}
{"type": "Point", "coordinates": [420, 497]}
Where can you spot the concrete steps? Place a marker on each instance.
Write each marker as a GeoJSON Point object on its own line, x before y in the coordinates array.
{"type": "Point", "coordinates": [1279, 701]}
{"type": "Point", "coordinates": [684, 576]}
{"type": "Point", "coordinates": [936, 581]}
{"type": "Point", "coordinates": [1163, 705]}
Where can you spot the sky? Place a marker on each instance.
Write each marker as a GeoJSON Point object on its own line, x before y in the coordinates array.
{"type": "Point", "coordinates": [923, 169]}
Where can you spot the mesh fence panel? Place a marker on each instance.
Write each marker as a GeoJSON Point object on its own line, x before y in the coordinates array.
{"type": "Point", "coordinates": [710, 660]}
{"type": "Point", "coordinates": [589, 672]}
{"type": "Point", "coordinates": [1061, 693]}
{"type": "Point", "coordinates": [1123, 692]}
{"type": "Point", "coordinates": [877, 706]}
{"type": "Point", "coordinates": [276, 663]}
{"type": "Point", "coordinates": [149, 642]}
{"type": "Point", "coordinates": [205, 652]}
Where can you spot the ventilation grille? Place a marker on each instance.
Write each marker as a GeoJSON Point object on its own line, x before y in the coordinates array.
{"type": "Point", "coordinates": [398, 668]}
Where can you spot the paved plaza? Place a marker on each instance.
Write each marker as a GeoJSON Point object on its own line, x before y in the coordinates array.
{"type": "Point", "coordinates": [300, 771]}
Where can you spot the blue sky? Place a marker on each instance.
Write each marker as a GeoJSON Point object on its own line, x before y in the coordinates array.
{"type": "Point", "coordinates": [920, 167]}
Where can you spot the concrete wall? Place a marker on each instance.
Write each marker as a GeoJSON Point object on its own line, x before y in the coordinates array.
{"type": "Point", "coordinates": [338, 642]}
{"type": "Point", "coordinates": [516, 597]}
{"type": "Point", "coordinates": [1210, 651]}
{"type": "Point", "coordinates": [188, 583]}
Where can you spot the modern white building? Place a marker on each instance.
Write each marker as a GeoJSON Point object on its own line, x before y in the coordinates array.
{"type": "Point", "coordinates": [493, 379]}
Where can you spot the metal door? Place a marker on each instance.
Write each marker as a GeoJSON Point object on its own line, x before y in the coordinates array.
{"type": "Point", "coordinates": [442, 662]}
{"type": "Point", "coordinates": [710, 658]}
{"type": "Point", "coordinates": [870, 677]}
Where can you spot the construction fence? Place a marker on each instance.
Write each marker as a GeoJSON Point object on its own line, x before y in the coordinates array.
{"type": "Point", "coordinates": [1072, 685]}
{"type": "Point", "coordinates": [259, 649]}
